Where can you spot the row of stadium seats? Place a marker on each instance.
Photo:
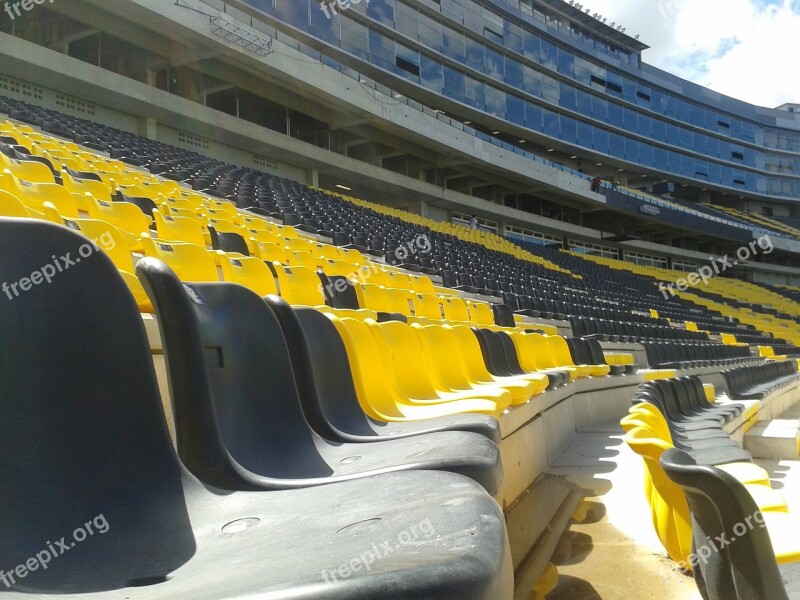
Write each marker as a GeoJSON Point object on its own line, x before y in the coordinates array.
{"type": "Point", "coordinates": [757, 381]}
{"type": "Point", "coordinates": [673, 355]}
{"type": "Point", "coordinates": [246, 481]}
{"type": "Point", "coordinates": [618, 331]}
{"type": "Point", "coordinates": [680, 436]}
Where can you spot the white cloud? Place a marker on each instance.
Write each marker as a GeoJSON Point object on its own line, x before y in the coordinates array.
{"type": "Point", "coordinates": [747, 49]}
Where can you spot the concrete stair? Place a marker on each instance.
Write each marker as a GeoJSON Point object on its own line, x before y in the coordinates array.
{"type": "Point", "coordinates": [778, 439]}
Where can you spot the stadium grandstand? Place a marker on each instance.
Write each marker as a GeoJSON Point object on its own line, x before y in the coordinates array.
{"type": "Point", "coordinates": [403, 299]}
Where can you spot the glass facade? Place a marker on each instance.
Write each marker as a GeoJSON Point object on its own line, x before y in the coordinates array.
{"type": "Point", "coordinates": [516, 60]}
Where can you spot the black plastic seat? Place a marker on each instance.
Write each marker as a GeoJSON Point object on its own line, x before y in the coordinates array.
{"type": "Point", "coordinates": [720, 505]}
{"type": "Point", "coordinates": [84, 443]}
{"type": "Point", "coordinates": [493, 354]}
{"type": "Point", "coordinates": [503, 315]}
{"type": "Point", "coordinates": [146, 205]}
{"type": "Point", "coordinates": [339, 291]}
{"type": "Point", "coordinates": [228, 241]}
{"type": "Point", "coordinates": [238, 416]}
{"type": "Point", "coordinates": [329, 398]}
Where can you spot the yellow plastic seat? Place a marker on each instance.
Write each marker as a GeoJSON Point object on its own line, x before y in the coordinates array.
{"type": "Point", "coordinates": [34, 195]}
{"type": "Point", "coordinates": [563, 357]}
{"type": "Point", "coordinates": [409, 369]}
{"type": "Point", "coordinates": [648, 416]}
{"type": "Point", "coordinates": [353, 256]}
{"type": "Point", "coordinates": [480, 313]}
{"type": "Point", "coordinates": [97, 189]}
{"type": "Point", "coordinates": [341, 268]}
{"type": "Point", "coordinates": [222, 207]}
{"type": "Point", "coordinates": [191, 263]}
{"type": "Point", "coordinates": [377, 393]}
{"type": "Point", "coordinates": [218, 215]}
{"type": "Point", "coordinates": [670, 511]}
{"type": "Point", "coordinates": [187, 213]}
{"type": "Point", "coordinates": [298, 244]}
{"type": "Point", "coordinates": [286, 231]}
{"type": "Point", "coordinates": [380, 299]}
{"type": "Point", "coordinates": [179, 229]}
{"type": "Point", "coordinates": [455, 308]}
{"type": "Point", "coordinates": [298, 258]}
{"type": "Point", "coordinates": [427, 306]}
{"type": "Point", "coordinates": [325, 251]}
{"type": "Point", "coordinates": [269, 251]}
{"type": "Point", "coordinates": [266, 236]}
{"type": "Point", "coordinates": [27, 170]}
{"type": "Point", "coordinates": [398, 280]}
{"type": "Point", "coordinates": [300, 286]}
{"type": "Point", "coordinates": [534, 353]}
{"type": "Point", "coordinates": [125, 216]}
{"type": "Point", "coordinates": [250, 272]}
{"type": "Point", "coordinates": [172, 202]}
{"type": "Point", "coordinates": [400, 301]}
{"type": "Point", "coordinates": [475, 366]}
{"type": "Point", "coordinates": [446, 370]}
{"type": "Point", "coordinates": [111, 241]}
{"type": "Point", "coordinates": [10, 206]}
{"type": "Point", "coordinates": [442, 349]}
{"type": "Point", "coordinates": [422, 285]}
{"type": "Point", "coordinates": [254, 223]}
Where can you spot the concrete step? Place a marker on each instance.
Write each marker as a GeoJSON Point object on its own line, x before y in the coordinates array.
{"type": "Point", "coordinates": [778, 439]}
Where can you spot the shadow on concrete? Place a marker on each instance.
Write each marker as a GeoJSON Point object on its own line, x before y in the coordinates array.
{"type": "Point", "coordinates": [572, 588]}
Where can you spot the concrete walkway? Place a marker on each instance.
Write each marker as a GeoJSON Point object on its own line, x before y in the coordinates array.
{"type": "Point", "coordinates": [614, 552]}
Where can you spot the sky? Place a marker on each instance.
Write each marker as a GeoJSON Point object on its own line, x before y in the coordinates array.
{"type": "Point", "coordinates": [748, 49]}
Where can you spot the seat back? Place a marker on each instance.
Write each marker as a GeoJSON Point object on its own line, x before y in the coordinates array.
{"type": "Point", "coordinates": [10, 206]}
{"type": "Point", "coordinates": [253, 273]}
{"type": "Point", "coordinates": [400, 344]}
{"type": "Point", "coordinates": [375, 385]}
{"type": "Point", "coordinates": [427, 305]}
{"type": "Point", "coordinates": [228, 241]}
{"type": "Point", "coordinates": [83, 435]}
{"type": "Point", "coordinates": [179, 229]}
{"type": "Point", "coordinates": [503, 315]}
{"type": "Point", "coordinates": [322, 371]}
{"type": "Point", "coordinates": [492, 352]}
{"type": "Point", "coordinates": [559, 350]}
{"type": "Point", "coordinates": [299, 285]}
{"type": "Point", "coordinates": [189, 261]}
{"type": "Point", "coordinates": [721, 507]}
{"type": "Point", "coordinates": [236, 405]}
{"type": "Point", "coordinates": [480, 312]}
{"type": "Point", "coordinates": [667, 502]}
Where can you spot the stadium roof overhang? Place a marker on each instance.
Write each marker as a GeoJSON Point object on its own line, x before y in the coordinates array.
{"type": "Point", "coordinates": [589, 22]}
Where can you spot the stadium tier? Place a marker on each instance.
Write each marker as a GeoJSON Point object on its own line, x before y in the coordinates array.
{"type": "Point", "coordinates": [293, 306]}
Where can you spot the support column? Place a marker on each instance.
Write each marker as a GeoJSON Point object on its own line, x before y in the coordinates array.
{"type": "Point", "coordinates": [148, 127]}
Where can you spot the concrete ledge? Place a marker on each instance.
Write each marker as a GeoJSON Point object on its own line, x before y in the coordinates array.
{"type": "Point", "coordinates": [778, 439]}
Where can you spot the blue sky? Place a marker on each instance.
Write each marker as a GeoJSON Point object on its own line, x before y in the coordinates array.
{"type": "Point", "coordinates": [748, 49]}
